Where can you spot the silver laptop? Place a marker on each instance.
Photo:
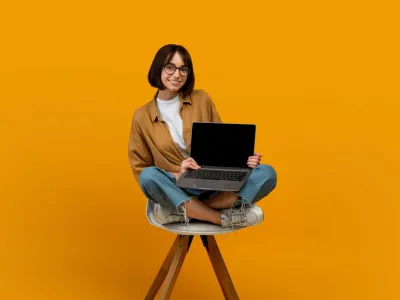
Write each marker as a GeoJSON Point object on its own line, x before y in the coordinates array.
{"type": "Point", "coordinates": [221, 150]}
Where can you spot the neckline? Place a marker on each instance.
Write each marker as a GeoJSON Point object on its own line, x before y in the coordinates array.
{"type": "Point", "coordinates": [173, 100]}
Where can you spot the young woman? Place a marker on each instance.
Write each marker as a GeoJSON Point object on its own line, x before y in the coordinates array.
{"type": "Point", "coordinates": [159, 146]}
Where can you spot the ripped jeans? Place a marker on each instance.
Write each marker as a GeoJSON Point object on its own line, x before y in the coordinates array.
{"type": "Point", "coordinates": [160, 186]}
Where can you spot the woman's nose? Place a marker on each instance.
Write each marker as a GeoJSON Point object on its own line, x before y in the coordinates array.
{"type": "Point", "coordinates": [176, 73]}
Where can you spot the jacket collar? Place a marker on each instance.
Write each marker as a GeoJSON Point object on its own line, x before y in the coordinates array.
{"type": "Point", "coordinates": [154, 113]}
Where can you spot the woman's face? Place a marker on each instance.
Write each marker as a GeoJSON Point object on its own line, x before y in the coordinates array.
{"type": "Point", "coordinates": [173, 82]}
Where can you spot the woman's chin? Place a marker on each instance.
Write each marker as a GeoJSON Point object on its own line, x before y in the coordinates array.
{"type": "Point", "coordinates": [174, 88]}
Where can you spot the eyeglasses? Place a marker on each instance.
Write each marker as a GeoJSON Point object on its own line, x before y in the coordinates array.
{"type": "Point", "coordinates": [171, 68]}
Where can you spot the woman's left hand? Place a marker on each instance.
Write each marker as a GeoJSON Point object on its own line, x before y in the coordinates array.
{"type": "Point", "coordinates": [254, 161]}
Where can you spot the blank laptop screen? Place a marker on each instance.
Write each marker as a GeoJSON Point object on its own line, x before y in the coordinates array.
{"type": "Point", "coordinates": [222, 145]}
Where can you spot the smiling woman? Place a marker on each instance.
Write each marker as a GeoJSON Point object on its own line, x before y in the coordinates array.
{"type": "Point", "coordinates": [159, 148]}
{"type": "Point", "coordinates": [167, 60]}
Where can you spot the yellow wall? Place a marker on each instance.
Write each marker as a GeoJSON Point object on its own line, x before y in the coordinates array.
{"type": "Point", "coordinates": [321, 81]}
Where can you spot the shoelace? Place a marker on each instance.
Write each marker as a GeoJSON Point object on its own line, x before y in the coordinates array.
{"type": "Point", "coordinates": [235, 217]}
{"type": "Point", "coordinates": [174, 215]}
{"type": "Point", "coordinates": [185, 217]}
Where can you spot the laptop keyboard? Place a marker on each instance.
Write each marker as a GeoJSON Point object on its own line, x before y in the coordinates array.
{"type": "Point", "coordinates": [216, 174]}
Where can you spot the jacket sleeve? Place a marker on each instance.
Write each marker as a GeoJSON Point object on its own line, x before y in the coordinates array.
{"type": "Point", "coordinates": [139, 153]}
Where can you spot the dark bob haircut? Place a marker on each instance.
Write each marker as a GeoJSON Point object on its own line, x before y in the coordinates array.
{"type": "Point", "coordinates": [164, 56]}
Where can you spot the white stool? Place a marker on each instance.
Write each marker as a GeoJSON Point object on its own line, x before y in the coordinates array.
{"type": "Point", "coordinates": [172, 264]}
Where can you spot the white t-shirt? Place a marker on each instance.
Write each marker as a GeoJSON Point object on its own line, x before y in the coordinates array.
{"type": "Point", "coordinates": [169, 110]}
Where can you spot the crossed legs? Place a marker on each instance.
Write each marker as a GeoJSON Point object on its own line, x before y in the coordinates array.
{"type": "Point", "coordinates": [159, 186]}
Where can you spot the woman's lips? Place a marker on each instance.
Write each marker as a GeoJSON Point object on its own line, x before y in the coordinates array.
{"type": "Point", "coordinates": [174, 82]}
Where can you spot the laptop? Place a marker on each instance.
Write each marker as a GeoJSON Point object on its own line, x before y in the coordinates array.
{"type": "Point", "coordinates": [222, 151]}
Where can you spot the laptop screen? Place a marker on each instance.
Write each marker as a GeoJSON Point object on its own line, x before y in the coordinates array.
{"type": "Point", "coordinates": [222, 144]}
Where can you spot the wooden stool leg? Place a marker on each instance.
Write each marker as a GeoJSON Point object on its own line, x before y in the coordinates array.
{"type": "Point", "coordinates": [162, 273]}
{"type": "Point", "coordinates": [219, 266]}
{"type": "Point", "coordinates": [176, 265]}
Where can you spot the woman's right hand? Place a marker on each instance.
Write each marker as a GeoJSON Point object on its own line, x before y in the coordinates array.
{"type": "Point", "coordinates": [188, 163]}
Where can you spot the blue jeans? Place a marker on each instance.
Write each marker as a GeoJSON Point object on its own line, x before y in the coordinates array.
{"type": "Point", "coordinates": [160, 186]}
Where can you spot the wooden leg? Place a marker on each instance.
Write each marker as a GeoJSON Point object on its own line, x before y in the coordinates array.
{"type": "Point", "coordinates": [219, 266]}
{"type": "Point", "coordinates": [176, 265]}
{"type": "Point", "coordinates": [162, 273]}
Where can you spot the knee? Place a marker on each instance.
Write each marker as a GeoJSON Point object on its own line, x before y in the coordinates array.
{"type": "Point", "coordinates": [148, 177]}
{"type": "Point", "coordinates": [267, 172]}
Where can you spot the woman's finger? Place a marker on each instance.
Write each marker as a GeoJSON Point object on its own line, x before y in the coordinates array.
{"type": "Point", "coordinates": [255, 160]}
{"type": "Point", "coordinates": [254, 163]}
{"type": "Point", "coordinates": [186, 165]}
{"type": "Point", "coordinates": [194, 162]}
{"type": "Point", "coordinates": [193, 166]}
{"type": "Point", "coordinates": [255, 157]}
{"type": "Point", "coordinates": [251, 165]}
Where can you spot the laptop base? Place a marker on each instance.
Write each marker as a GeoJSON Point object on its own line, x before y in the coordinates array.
{"type": "Point", "coordinates": [214, 185]}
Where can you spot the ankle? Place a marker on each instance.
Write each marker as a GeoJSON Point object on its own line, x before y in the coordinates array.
{"type": "Point", "coordinates": [218, 220]}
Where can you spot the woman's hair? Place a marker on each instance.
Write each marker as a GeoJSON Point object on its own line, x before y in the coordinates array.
{"type": "Point", "coordinates": [164, 56]}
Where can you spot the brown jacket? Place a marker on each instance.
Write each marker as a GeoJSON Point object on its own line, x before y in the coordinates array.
{"type": "Point", "coordinates": [150, 143]}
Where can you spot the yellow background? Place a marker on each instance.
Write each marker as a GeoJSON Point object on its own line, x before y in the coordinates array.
{"type": "Point", "coordinates": [321, 81]}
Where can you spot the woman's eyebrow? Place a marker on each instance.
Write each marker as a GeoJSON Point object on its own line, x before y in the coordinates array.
{"type": "Point", "coordinates": [184, 65]}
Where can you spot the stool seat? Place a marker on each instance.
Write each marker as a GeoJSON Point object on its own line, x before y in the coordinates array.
{"type": "Point", "coordinates": [193, 228]}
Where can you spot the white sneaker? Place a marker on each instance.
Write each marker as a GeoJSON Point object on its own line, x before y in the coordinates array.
{"type": "Point", "coordinates": [245, 216]}
{"type": "Point", "coordinates": [164, 215]}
